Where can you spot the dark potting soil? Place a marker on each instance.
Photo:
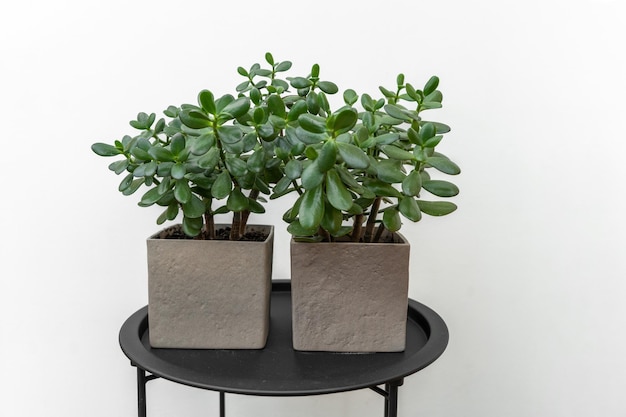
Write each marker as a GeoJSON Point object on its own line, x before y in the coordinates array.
{"type": "Point", "coordinates": [176, 232]}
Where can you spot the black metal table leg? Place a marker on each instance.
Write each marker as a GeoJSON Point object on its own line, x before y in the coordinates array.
{"type": "Point", "coordinates": [141, 392]}
{"type": "Point", "coordinates": [391, 400]}
{"type": "Point", "coordinates": [222, 404]}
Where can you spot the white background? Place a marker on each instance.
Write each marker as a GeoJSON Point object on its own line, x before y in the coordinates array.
{"type": "Point", "coordinates": [529, 273]}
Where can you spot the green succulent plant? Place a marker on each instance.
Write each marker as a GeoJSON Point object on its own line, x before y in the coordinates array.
{"type": "Point", "coordinates": [213, 157]}
{"type": "Point", "coordinates": [359, 172]}
{"type": "Point", "coordinates": [356, 171]}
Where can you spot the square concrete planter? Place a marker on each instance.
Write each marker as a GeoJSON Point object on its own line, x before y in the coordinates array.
{"type": "Point", "coordinates": [350, 297]}
{"type": "Point", "coordinates": [209, 294]}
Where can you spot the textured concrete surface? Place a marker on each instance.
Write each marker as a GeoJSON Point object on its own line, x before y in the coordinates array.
{"type": "Point", "coordinates": [349, 297]}
{"type": "Point", "coordinates": [209, 294]}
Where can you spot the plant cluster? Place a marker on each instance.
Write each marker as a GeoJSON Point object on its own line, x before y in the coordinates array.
{"type": "Point", "coordinates": [356, 171]}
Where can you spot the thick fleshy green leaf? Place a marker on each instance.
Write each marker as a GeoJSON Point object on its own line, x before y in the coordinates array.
{"type": "Point", "coordinates": [258, 115]}
{"type": "Point", "coordinates": [312, 208]}
{"type": "Point", "coordinates": [436, 208]}
{"type": "Point", "coordinates": [431, 85]}
{"type": "Point", "coordinates": [194, 207]}
{"type": "Point", "coordinates": [390, 171]}
{"type": "Point", "coordinates": [394, 152]}
{"type": "Point", "coordinates": [192, 226]}
{"type": "Point", "coordinates": [134, 186]}
{"type": "Point", "coordinates": [397, 112]}
{"type": "Point", "coordinates": [207, 101]}
{"type": "Point", "coordinates": [151, 196]}
{"type": "Point", "coordinates": [182, 192]}
{"type": "Point", "coordinates": [140, 171]}
{"type": "Point", "coordinates": [177, 146]}
{"type": "Point", "coordinates": [222, 186]}
{"type": "Point", "coordinates": [256, 161]}
{"type": "Point", "coordinates": [441, 188]}
{"type": "Point", "coordinates": [236, 108]}
{"type": "Point", "coordinates": [194, 119]}
{"type": "Point", "coordinates": [327, 156]}
{"type": "Point", "coordinates": [296, 110]}
{"type": "Point", "coordinates": [296, 229]}
{"type": "Point", "coordinates": [332, 219]}
{"type": "Point", "coordinates": [119, 166]}
{"type": "Point", "coordinates": [348, 179]}
{"type": "Point", "coordinates": [283, 66]}
{"type": "Point", "coordinates": [352, 155]}
{"type": "Point", "coordinates": [223, 101]}
{"type": "Point", "coordinates": [444, 165]}
{"type": "Point", "coordinates": [266, 131]}
{"type": "Point", "coordinates": [382, 189]}
{"type": "Point", "coordinates": [162, 217]}
{"type": "Point", "coordinates": [433, 142]}
{"type": "Point", "coordinates": [220, 210]}
{"type": "Point", "coordinates": [230, 134]}
{"type": "Point", "coordinates": [300, 82]}
{"type": "Point", "coordinates": [386, 92]}
{"type": "Point", "coordinates": [141, 154]}
{"type": "Point", "coordinates": [281, 188]}
{"type": "Point", "coordinates": [408, 208]}
{"type": "Point", "coordinates": [104, 149]}
{"type": "Point", "coordinates": [210, 159]}
{"type": "Point", "coordinates": [150, 169]}
{"type": "Point", "coordinates": [344, 120]}
{"type": "Point", "coordinates": [237, 167]}
{"type": "Point", "coordinates": [161, 154]}
{"type": "Point", "coordinates": [434, 97]}
{"type": "Point", "coordinates": [178, 171]}
{"type": "Point", "coordinates": [387, 138]}
{"type": "Point", "coordinates": [165, 185]}
{"type": "Point", "coordinates": [237, 201]}
{"type": "Point", "coordinates": [126, 182]}
{"type": "Point", "coordinates": [426, 132]}
{"type": "Point", "coordinates": [440, 127]}
{"type": "Point", "coordinates": [309, 138]}
{"type": "Point", "coordinates": [336, 192]}
{"type": "Point", "coordinates": [312, 177]}
{"type": "Point", "coordinates": [412, 184]}
{"type": "Point", "coordinates": [276, 105]}
{"type": "Point", "coordinates": [350, 97]}
{"type": "Point", "coordinates": [413, 137]}
{"type": "Point", "coordinates": [328, 87]}
{"type": "Point", "coordinates": [313, 103]}
{"type": "Point", "coordinates": [391, 220]}
{"type": "Point", "coordinates": [262, 186]}
{"type": "Point", "coordinates": [311, 123]}
{"type": "Point", "coordinates": [201, 144]}
{"type": "Point", "coordinates": [172, 211]}
{"type": "Point", "coordinates": [293, 169]}
{"type": "Point", "coordinates": [255, 207]}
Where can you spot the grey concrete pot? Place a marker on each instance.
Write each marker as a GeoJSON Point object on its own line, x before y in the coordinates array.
{"type": "Point", "coordinates": [349, 297]}
{"type": "Point", "coordinates": [209, 294]}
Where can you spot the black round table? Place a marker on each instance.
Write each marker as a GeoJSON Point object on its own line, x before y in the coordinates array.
{"type": "Point", "coordinates": [278, 369]}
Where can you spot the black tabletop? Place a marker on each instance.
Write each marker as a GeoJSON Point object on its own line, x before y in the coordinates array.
{"type": "Point", "coordinates": [278, 370]}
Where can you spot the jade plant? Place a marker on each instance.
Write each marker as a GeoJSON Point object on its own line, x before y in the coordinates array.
{"type": "Point", "coordinates": [356, 172]}
{"type": "Point", "coordinates": [213, 157]}
{"type": "Point", "coordinates": [359, 172]}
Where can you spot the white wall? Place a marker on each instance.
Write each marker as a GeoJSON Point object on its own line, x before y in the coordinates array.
{"type": "Point", "coordinates": [529, 274]}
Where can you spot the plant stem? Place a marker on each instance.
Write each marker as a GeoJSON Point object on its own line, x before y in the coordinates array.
{"type": "Point", "coordinates": [379, 233]}
{"type": "Point", "coordinates": [357, 228]}
{"type": "Point", "coordinates": [209, 226]}
{"type": "Point", "coordinates": [254, 194]}
{"type": "Point", "coordinates": [235, 228]}
{"type": "Point", "coordinates": [371, 220]}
